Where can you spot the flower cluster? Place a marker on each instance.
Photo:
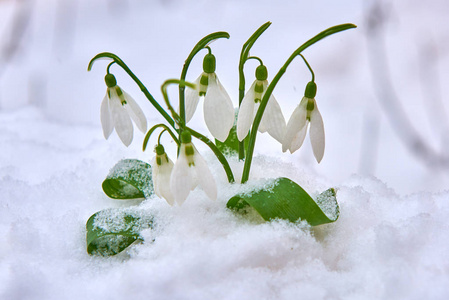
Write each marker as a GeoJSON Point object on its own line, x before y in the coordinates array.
{"type": "Point", "coordinates": [292, 135]}
{"type": "Point", "coordinates": [174, 182]}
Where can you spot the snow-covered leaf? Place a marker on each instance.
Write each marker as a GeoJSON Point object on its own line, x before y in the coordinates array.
{"type": "Point", "coordinates": [111, 231]}
{"type": "Point", "coordinates": [284, 199]}
{"type": "Point", "coordinates": [129, 179]}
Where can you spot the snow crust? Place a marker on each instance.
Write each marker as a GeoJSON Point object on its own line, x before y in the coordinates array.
{"type": "Point", "coordinates": [383, 246]}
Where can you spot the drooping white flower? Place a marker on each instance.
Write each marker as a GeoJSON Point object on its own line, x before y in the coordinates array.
{"type": "Point", "coordinates": [272, 120]}
{"type": "Point", "coordinates": [118, 108]}
{"type": "Point", "coordinates": [218, 108]}
{"type": "Point", "coordinates": [189, 171]}
{"type": "Point", "coordinates": [162, 167]}
{"type": "Point", "coordinates": [306, 112]}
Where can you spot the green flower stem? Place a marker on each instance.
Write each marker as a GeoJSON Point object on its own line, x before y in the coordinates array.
{"type": "Point", "coordinates": [180, 121]}
{"type": "Point", "coordinates": [243, 58]}
{"type": "Point", "coordinates": [196, 134]}
{"type": "Point", "coordinates": [217, 153]}
{"type": "Point", "coordinates": [309, 67]}
{"type": "Point", "coordinates": [203, 43]}
{"type": "Point", "coordinates": [152, 129]}
{"type": "Point", "coordinates": [269, 91]}
{"type": "Point", "coordinates": [144, 90]}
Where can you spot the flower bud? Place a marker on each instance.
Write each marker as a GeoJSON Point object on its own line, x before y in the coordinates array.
{"type": "Point", "coordinates": [159, 149]}
{"type": "Point", "coordinates": [310, 90]}
{"type": "Point", "coordinates": [110, 80]}
{"type": "Point", "coordinates": [261, 73]}
{"type": "Point", "coordinates": [209, 63]}
{"type": "Point", "coordinates": [186, 137]}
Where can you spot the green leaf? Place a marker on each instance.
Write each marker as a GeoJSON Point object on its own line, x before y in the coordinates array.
{"type": "Point", "coordinates": [111, 231]}
{"type": "Point", "coordinates": [284, 199]}
{"type": "Point", "coordinates": [129, 179]}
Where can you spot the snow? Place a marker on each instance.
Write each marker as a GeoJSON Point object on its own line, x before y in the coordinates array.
{"type": "Point", "coordinates": [390, 241]}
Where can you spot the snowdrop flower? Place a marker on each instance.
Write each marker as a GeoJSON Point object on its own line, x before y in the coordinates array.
{"type": "Point", "coordinates": [162, 167]}
{"type": "Point", "coordinates": [306, 112]}
{"type": "Point", "coordinates": [190, 170]}
{"type": "Point", "coordinates": [218, 108]}
{"type": "Point", "coordinates": [117, 110]}
{"type": "Point", "coordinates": [272, 121]}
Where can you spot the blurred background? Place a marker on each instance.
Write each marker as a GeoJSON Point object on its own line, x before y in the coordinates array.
{"type": "Point", "coordinates": [382, 88]}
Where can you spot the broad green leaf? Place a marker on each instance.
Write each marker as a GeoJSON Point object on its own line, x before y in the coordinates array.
{"type": "Point", "coordinates": [284, 199]}
{"type": "Point", "coordinates": [129, 179]}
{"type": "Point", "coordinates": [111, 231]}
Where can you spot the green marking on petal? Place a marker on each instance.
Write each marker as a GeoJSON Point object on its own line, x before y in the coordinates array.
{"type": "Point", "coordinates": [189, 150]}
{"type": "Point", "coordinates": [204, 80]}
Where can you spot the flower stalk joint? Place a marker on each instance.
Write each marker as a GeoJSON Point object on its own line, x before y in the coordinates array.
{"type": "Point", "coordinates": [110, 80]}
{"type": "Point", "coordinates": [310, 91]}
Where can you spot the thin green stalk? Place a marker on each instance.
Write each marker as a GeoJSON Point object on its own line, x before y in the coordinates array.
{"type": "Point", "coordinates": [164, 86]}
{"type": "Point", "coordinates": [152, 129]}
{"type": "Point", "coordinates": [269, 91]}
{"type": "Point", "coordinates": [198, 47]}
{"type": "Point", "coordinates": [196, 134]}
{"type": "Point", "coordinates": [142, 87]}
{"type": "Point", "coordinates": [243, 58]}
{"type": "Point", "coordinates": [217, 153]}
{"type": "Point", "coordinates": [308, 66]}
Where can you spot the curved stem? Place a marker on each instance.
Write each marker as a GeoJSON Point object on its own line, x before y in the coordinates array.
{"type": "Point", "coordinates": [269, 91]}
{"type": "Point", "coordinates": [243, 58]}
{"type": "Point", "coordinates": [159, 137]}
{"type": "Point", "coordinates": [204, 42]}
{"type": "Point", "coordinates": [196, 134]}
{"type": "Point", "coordinates": [308, 66]}
{"type": "Point", "coordinates": [256, 58]}
{"type": "Point", "coordinates": [142, 87]}
{"type": "Point", "coordinates": [217, 153]}
{"type": "Point", "coordinates": [152, 129]}
{"type": "Point", "coordinates": [109, 67]}
{"type": "Point", "coordinates": [164, 86]}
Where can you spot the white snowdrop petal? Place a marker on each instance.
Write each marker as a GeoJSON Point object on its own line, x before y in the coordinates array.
{"type": "Point", "coordinates": [155, 176]}
{"type": "Point", "coordinates": [296, 122]}
{"type": "Point", "coordinates": [181, 178]}
{"type": "Point", "coordinates": [262, 125]}
{"type": "Point", "coordinates": [218, 110]}
{"type": "Point", "coordinates": [273, 120]}
{"type": "Point", "coordinates": [122, 121]}
{"type": "Point", "coordinates": [298, 139]}
{"type": "Point", "coordinates": [191, 100]}
{"type": "Point", "coordinates": [165, 171]}
{"type": "Point", "coordinates": [205, 178]}
{"type": "Point", "coordinates": [135, 112]}
{"type": "Point", "coordinates": [105, 116]}
{"type": "Point", "coordinates": [246, 114]}
{"type": "Point", "coordinates": [317, 137]}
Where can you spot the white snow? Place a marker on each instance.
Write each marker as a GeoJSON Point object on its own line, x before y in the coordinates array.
{"type": "Point", "coordinates": [391, 240]}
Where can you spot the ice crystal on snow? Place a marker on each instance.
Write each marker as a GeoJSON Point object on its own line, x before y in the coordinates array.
{"type": "Point", "coordinates": [328, 204]}
{"type": "Point", "coordinates": [121, 220]}
{"type": "Point", "coordinates": [135, 171]}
